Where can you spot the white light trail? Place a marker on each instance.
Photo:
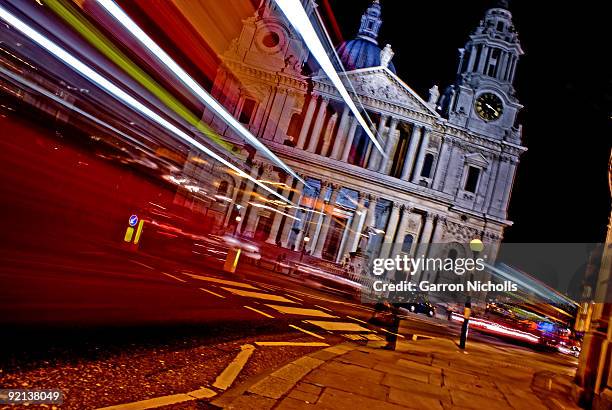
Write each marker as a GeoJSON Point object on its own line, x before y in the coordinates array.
{"type": "Point", "coordinates": [90, 74]}
{"type": "Point", "coordinates": [115, 11]}
{"type": "Point", "coordinates": [297, 16]}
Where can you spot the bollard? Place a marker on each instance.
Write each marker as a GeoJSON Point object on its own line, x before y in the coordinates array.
{"type": "Point", "coordinates": [233, 254]}
{"type": "Point", "coordinates": [467, 310]}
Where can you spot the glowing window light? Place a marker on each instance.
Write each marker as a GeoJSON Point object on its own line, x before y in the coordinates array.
{"type": "Point", "coordinates": [206, 98]}
{"type": "Point", "coordinates": [297, 16]}
{"type": "Point", "coordinates": [87, 72]}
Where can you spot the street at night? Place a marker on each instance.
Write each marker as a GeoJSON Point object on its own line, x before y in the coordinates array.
{"type": "Point", "coordinates": [291, 204]}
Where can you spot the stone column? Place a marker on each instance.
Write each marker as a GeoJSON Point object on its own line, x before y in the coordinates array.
{"type": "Point", "coordinates": [442, 164]}
{"type": "Point", "coordinates": [278, 216]}
{"type": "Point", "coordinates": [316, 129]}
{"type": "Point", "coordinates": [513, 71]}
{"type": "Point", "coordinates": [390, 231]}
{"type": "Point", "coordinates": [320, 242]}
{"type": "Point", "coordinates": [421, 157]}
{"type": "Point", "coordinates": [312, 104]}
{"type": "Point", "coordinates": [375, 157]}
{"type": "Point", "coordinates": [349, 140]}
{"type": "Point", "coordinates": [424, 241]}
{"type": "Point", "coordinates": [401, 231]}
{"type": "Point", "coordinates": [230, 208]}
{"type": "Point", "coordinates": [246, 195]}
{"type": "Point", "coordinates": [411, 154]}
{"type": "Point", "coordinates": [342, 129]}
{"type": "Point", "coordinates": [328, 134]}
{"type": "Point", "coordinates": [483, 59]}
{"type": "Point", "coordinates": [425, 237]}
{"type": "Point", "coordinates": [316, 219]}
{"type": "Point", "coordinates": [472, 58]}
{"type": "Point", "coordinates": [355, 228]}
{"type": "Point", "coordinates": [369, 222]}
{"type": "Point", "coordinates": [389, 147]}
{"type": "Point", "coordinates": [297, 197]}
{"type": "Point", "coordinates": [510, 182]}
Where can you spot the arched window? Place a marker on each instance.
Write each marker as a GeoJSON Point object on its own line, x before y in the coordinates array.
{"type": "Point", "coordinates": [471, 181]}
{"type": "Point", "coordinates": [247, 111]}
{"type": "Point", "coordinates": [427, 165]}
{"type": "Point", "coordinates": [222, 189]}
{"type": "Point", "coordinates": [295, 124]}
{"type": "Point", "coordinates": [407, 245]}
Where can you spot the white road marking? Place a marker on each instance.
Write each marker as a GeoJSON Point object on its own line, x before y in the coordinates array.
{"type": "Point", "coordinates": [202, 393]}
{"type": "Point", "coordinates": [358, 320]}
{"type": "Point", "coordinates": [308, 332]}
{"type": "Point", "coordinates": [229, 374]}
{"type": "Point", "coordinates": [302, 344]}
{"type": "Point", "coordinates": [173, 277]}
{"type": "Point", "coordinates": [300, 311]}
{"type": "Point", "coordinates": [392, 333]}
{"type": "Point", "coordinates": [324, 308]}
{"type": "Point", "coordinates": [258, 295]}
{"type": "Point", "coordinates": [260, 312]}
{"type": "Point", "coordinates": [223, 281]}
{"type": "Point", "coordinates": [294, 297]}
{"type": "Point", "coordinates": [213, 293]}
{"type": "Point", "coordinates": [338, 326]}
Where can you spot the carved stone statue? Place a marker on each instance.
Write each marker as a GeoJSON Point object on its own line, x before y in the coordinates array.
{"type": "Point", "coordinates": [434, 95]}
{"type": "Point", "coordinates": [386, 54]}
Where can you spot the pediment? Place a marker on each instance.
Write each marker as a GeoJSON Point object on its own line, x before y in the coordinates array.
{"type": "Point", "coordinates": [477, 159]}
{"type": "Point", "coordinates": [382, 84]}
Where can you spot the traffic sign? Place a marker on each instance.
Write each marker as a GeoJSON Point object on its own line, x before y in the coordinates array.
{"type": "Point", "coordinates": [133, 220]}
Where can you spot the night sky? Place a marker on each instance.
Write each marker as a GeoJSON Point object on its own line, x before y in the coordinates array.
{"type": "Point", "coordinates": [564, 80]}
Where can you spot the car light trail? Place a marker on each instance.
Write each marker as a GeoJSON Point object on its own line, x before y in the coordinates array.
{"type": "Point", "coordinates": [297, 16]}
{"type": "Point", "coordinates": [90, 74]}
{"type": "Point", "coordinates": [115, 11]}
{"type": "Point", "coordinates": [496, 328]}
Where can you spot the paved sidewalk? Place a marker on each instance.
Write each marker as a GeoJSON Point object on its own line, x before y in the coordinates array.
{"type": "Point", "coordinates": [427, 374]}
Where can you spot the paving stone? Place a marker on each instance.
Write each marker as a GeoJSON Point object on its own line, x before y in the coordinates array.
{"type": "Point", "coordinates": [309, 388]}
{"type": "Point", "coordinates": [337, 399]}
{"type": "Point", "coordinates": [372, 376]}
{"type": "Point", "coordinates": [418, 358]}
{"type": "Point", "coordinates": [348, 383]}
{"type": "Point", "coordinates": [251, 402]}
{"type": "Point", "coordinates": [481, 388]}
{"type": "Point", "coordinates": [340, 349]}
{"type": "Point", "coordinates": [291, 372]}
{"type": "Point", "coordinates": [303, 396]}
{"type": "Point", "coordinates": [525, 403]}
{"type": "Point", "coordinates": [290, 403]}
{"type": "Point", "coordinates": [418, 366]}
{"type": "Point", "coordinates": [308, 362]}
{"type": "Point", "coordinates": [474, 401]}
{"type": "Point", "coordinates": [415, 387]}
{"type": "Point", "coordinates": [323, 355]}
{"type": "Point", "coordinates": [435, 379]}
{"type": "Point", "coordinates": [403, 371]}
{"type": "Point", "coordinates": [359, 358]}
{"type": "Point", "coordinates": [412, 400]}
{"type": "Point", "coordinates": [271, 387]}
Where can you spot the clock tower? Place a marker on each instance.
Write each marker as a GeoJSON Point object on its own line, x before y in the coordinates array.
{"type": "Point", "coordinates": [483, 98]}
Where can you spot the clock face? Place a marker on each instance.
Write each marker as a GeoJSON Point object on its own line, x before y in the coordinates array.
{"type": "Point", "coordinates": [489, 106]}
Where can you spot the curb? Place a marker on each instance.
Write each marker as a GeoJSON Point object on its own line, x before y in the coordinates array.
{"type": "Point", "coordinates": [265, 390]}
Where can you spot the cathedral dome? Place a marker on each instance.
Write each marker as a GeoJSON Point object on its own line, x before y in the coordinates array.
{"type": "Point", "coordinates": [364, 51]}
{"type": "Point", "coordinates": [360, 53]}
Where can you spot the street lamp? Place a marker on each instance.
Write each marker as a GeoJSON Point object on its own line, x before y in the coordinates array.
{"type": "Point", "coordinates": [237, 219]}
{"type": "Point", "coordinates": [306, 240]}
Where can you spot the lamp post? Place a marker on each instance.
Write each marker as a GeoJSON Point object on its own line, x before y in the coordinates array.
{"type": "Point", "coordinates": [306, 240]}
{"type": "Point", "coordinates": [237, 219]}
